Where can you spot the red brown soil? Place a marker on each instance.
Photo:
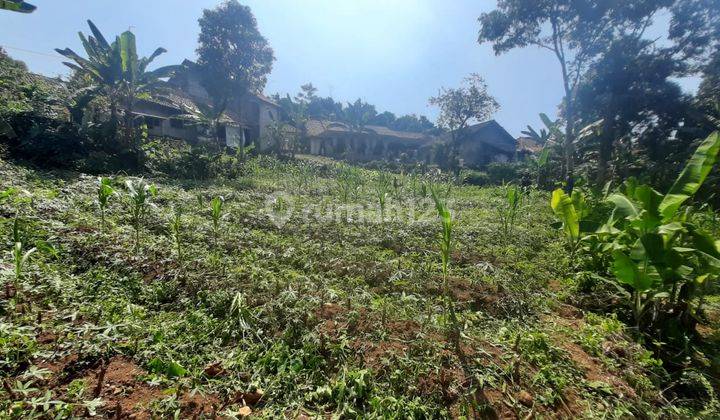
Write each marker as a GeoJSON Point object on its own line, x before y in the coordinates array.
{"type": "Point", "coordinates": [124, 393]}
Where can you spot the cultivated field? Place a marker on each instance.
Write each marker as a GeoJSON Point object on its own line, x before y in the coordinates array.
{"type": "Point", "coordinates": [291, 297]}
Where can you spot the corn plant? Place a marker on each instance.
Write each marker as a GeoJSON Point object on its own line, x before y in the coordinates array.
{"type": "Point", "coordinates": [19, 255]}
{"type": "Point", "coordinates": [176, 229]}
{"type": "Point", "coordinates": [216, 208]}
{"type": "Point", "coordinates": [139, 194]}
{"type": "Point", "coordinates": [349, 181]}
{"type": "Point", "coordinates": [104, 192]}
{"type": "Point", "coordinates": [382, 190]}
{"type": "Point", "coordinates": [445, 250]}
{"type": "Point", "coordinates": [509, 210]}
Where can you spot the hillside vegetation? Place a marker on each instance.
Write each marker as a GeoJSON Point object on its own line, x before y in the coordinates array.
{"type": "Point", "coordinates": [283, 293]}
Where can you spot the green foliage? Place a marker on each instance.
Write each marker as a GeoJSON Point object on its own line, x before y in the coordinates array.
{"type": "Point", "coordinates": [565, 211]}
{"type": "Point", "coordinates": [502, 173]}
{"type": "Point", "coordinates": [381, 188]}
{"type": "Point", "coordinates": [104, 192]}
{"type": "Point", "coordinates": [349, 181]}
{"type": "Point", "coordinates": [20, 260]}
{"type": "Point", "coordinates": [117, 73]}
{"type": "Point", "coordinates": [139, 195]}
{"type": "Point", "coordinates": [234, 56]}
{"type": "Point", "coordinates": [477, 178]}
{"type": "Point", "coordinates": [176, 227]}
{"type": "Point", "coordinates": [216, 213]}
{"type": "Point", "coordinates": [509, 209]}
{"type": "Point", "coordinates": [658, 252]}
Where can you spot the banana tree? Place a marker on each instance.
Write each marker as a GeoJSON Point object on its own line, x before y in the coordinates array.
{"type": "Point", "coordinates": [571, 211]}
{"type": "Point", "coordinates": [117, 73]}
{"type": "Point", "coordinates": [17, 6]}
{"type": "Point", "coordinates": [656, 250]}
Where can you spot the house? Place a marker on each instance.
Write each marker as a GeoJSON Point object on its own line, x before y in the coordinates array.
{"type": "Point", "coordinates": [527, 146]}
{"type": "Point", "coordinates": [476, 146]}
{"type": "Point", "coordinates": [484, 143]}
{"type": "Point", "coordinates": [367, 143]}
{"type": "Point", "coordinates": [170, 112]}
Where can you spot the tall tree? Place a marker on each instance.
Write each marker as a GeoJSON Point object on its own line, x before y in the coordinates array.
{"type": "Point", "coordinates": [235, 58]}
{"type": "Point", "coordinates": [358, 114]}
{"type": "Point", "coordinates": [460, 106]}
{"type": "Point", "coordinates": [576, 32]}
{"type": "Point", "coordinates": [629, 90]}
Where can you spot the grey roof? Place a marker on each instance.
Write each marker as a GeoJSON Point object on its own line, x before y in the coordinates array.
{"type": "Point", "coordinates": [502, 140]}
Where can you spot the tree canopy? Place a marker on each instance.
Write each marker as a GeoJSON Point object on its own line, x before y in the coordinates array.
{"type": "Point", "coordinates": [233, 54]}
{"type": "Point", "coordinates": [468, 103]}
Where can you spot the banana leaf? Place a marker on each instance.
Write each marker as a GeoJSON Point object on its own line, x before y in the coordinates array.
{"type": "Point", "coordinates": [692, 177]}
{"type": "Point", "coordinates": [563, 208]}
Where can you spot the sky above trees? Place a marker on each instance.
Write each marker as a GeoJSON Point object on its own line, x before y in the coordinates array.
{"type": "Point", "coordinates": [394, 55]}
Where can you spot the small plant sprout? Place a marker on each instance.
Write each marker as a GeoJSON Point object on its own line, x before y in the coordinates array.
{"type": "Point", "coordinates": [382, 190]}
{"type": "Point", "coordinates": [139, 194]}
{"type": "Point", "coordinates": [509, 211]}
{"type": "Point", "coordinates": [216, 208]}
{"type": "Point", "coordinates": [20, 257]}
{"type": "Point", "coordinates": [104, 192]}
{"type": "Point", "coordinates": [176, 229]}
{"type": "Point", "coordinates": [445, 250]}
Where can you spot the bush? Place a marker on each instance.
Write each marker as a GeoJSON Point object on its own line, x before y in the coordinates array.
{"type": "Point", "coordinates": [478, 178]}
{"type": "Point", "coordinates": [178, 159]}
{"type": "Point", "coordinates": [500, 173]}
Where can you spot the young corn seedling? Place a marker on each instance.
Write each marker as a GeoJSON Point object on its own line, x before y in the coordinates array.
{"type": "Point", "coordinates": [509, 211]}
{"type": "Point", "coordinates": [20, 257]}
{"type": "Point", "coordinates": [382, 190]}
{"type": "Point", "coordinates": [216, 208]}
{"type": "Point", "coordinates": [139, 194]}
{"type": "Point", "coordinates": [104, 192]}
{"type": "Point", "coordinates": [445, 250]}
{"type": "Point", "coordinates": [349, 181]}
{"type": "Point", "coordinates": [176, 228]}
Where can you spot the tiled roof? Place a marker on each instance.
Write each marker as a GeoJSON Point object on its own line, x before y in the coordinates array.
{"type": "Point", "coordinates": [319, 127]}
{"type": "Point", "coordinates": [527, 144]}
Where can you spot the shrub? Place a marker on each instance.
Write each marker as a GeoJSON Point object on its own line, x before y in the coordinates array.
{"type": "Point", "coordinates": [501, 173]}
{"type": "Point", "coordinates": [475, 178]}
{"type": "Point", "coordinates": [178, 159]}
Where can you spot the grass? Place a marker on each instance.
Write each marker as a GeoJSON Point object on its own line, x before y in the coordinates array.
{"type": "Point", "coordinates": [327, 311]}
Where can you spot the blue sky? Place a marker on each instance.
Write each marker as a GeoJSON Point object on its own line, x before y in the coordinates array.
{"type": "Point", "coordinates": [394, 54]}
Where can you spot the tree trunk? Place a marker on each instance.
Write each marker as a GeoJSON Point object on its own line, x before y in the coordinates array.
{"type": "Point", "coordinates": [605, 154]}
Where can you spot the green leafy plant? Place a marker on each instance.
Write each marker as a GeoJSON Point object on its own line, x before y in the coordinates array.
{"type": "Point", "coordinates": [571, 211]}
{"type": "Point", "coordinates": [657, 251]}
{"type": "Point", "coordinates": [216, 213]}
{"type": "Point", "coordinates": [19, 255]}
{"type": "Point", "coordinates": [176, 229]}
{"type": "Point", "coordinates": [382, 190]}
{"type": "Point", "coordinates": [104, 192]}
{"type": "Point", "coordinates": [446, 242]}
{"type": "Point", "coordinates": [116, 72]}
{"type": "Point", "coordinates": [348, 181]}
{"type": "Point", "coordinates": [139, 194]}
{"type": "Point", "coordinates": [510, 207]}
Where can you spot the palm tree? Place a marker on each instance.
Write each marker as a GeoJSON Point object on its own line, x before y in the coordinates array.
{"type": "Point", "coordinates": [116, 72]}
